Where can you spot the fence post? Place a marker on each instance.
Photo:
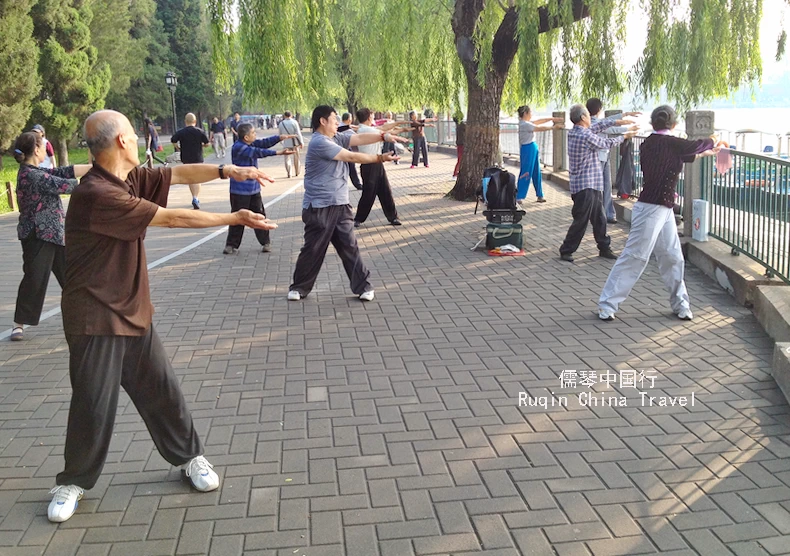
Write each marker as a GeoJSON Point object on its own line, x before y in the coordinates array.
{"type": "Point", "coordinates": [699, 125]}
{"type": "Point", "coordinates": [614, 151]}
{"type": "Point", "coordinates": [9, 191]}
{"type": "Point", "coordinates": [558, 146]}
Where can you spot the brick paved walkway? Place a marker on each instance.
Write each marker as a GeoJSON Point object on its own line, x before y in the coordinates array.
{"type": "Point", "coordinates": [393, 427]}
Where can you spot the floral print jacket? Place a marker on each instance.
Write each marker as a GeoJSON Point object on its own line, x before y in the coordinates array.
{"type": "Point", "coordinates": [38, 193]}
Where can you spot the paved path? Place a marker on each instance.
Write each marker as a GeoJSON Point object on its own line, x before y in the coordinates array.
{"type": "Point", "coordinates": [394, 427]}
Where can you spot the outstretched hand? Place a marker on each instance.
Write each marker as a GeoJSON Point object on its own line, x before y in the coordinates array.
{"type": "Point", "coordinates": [242, 173]}
{"type": "Point", "coordinates": [284, 137]}
{"type": "Point", "coordinates": [398, 139]}
{"type": "Point", "coordinates": [389, 157]}
{"type": "Point", "coordinates": [254, 220]}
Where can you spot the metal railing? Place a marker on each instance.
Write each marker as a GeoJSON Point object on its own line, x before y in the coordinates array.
{"type": "Point", "coordinates": [750, 208]}
{"type": "Point", "coordinates": [444, 134]}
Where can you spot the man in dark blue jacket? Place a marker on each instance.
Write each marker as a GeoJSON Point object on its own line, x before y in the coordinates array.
{"type": "Point", "coordinates": [247, 194]}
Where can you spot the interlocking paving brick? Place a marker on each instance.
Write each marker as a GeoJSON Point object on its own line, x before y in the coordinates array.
{"type": "Point", "coordinates": [393, 428]}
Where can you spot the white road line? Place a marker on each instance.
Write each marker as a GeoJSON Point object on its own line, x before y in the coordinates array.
{"type": "Point", "coordinates": [52, 312]}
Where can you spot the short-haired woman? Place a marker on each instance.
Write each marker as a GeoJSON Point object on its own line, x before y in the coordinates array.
{"type": "Point", "coordinates": [40, 226]}
{"type": "Point", "coordinates": [653, 228]}
{"type": "Point", "coordinates": [530, 158]}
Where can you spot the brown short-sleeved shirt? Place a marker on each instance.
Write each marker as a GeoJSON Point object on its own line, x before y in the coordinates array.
{"type": "Point", "coordinates": [106, 291]}
{"type": "Point", "coordinates": [417, 128]}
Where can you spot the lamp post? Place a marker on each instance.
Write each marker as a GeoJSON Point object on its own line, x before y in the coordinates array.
{"type": "Point", "coordinates": [172, 82]}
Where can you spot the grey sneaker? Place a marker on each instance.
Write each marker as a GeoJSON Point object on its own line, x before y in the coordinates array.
{"type": "Point", "coordinates": [266, 248]}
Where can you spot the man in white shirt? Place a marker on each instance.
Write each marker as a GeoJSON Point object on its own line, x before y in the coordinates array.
{"type": "Point", "coordinates": [374, 176]}
{"type": "Point", "coordinates": [289, 126]}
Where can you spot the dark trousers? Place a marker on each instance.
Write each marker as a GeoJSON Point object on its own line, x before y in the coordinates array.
{"type": "Point", "coordinates": [375, 184]}
{"type": "Point", "coordinates": [250, 202]}
{"type": "Point", "coordinates": [98, 366]}
{"type": "Point", "coordinates": [587, 207]}
{"type": "Point", "coordinates": [420, 146]}
{"type": "Point", "coordinates": [39, 258]}
{"type": "Point", "coordinates": [323, 226]}
{"type": "Point", "coordinates": [352, 173]}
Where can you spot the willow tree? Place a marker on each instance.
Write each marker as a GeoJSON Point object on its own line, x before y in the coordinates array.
{"type": "Point", "coordinates": [403, 53]}
{"type": "Point", "coordinates": [395, 55]}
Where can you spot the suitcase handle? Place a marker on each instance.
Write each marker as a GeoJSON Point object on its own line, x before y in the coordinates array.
{"type": "Point", "coordinates": [495, 233]}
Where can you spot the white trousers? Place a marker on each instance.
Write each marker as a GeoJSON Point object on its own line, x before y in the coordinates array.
{"type": "Point", "coordinates": [292, 162]}
{"type": "Point", "coordinates": [219, 144]}
{"type": "Point", "coordinates": [653, 230]}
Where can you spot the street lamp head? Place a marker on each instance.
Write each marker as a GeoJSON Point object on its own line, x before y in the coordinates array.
{"type": "Point", "coordinates": [171, 80]}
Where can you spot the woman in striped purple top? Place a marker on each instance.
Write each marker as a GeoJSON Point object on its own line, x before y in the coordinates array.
{"type": "Point", "coordinates": [653, 228]}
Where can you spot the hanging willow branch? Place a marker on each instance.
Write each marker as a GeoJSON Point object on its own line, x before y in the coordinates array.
{"type": "Point", "coordinates": [405, 53]}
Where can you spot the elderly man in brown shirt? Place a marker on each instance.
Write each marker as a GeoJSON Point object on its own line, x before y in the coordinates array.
{"type": "Point", "coordinates": [107, 310]}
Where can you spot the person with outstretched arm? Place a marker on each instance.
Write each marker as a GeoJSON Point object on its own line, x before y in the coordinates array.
{"type": "Point", "coordinates": [107, 310]}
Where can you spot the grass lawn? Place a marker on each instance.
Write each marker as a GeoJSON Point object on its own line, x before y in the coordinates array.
{"type": "Point", "coordinates": [76, 156]}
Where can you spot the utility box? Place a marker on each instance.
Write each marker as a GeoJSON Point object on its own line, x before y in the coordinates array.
{"type": "Point", "coordinates": [700, 220]}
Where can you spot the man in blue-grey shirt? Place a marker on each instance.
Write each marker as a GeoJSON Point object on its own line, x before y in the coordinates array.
{"type": "Point", "coordinates": [326, 211]}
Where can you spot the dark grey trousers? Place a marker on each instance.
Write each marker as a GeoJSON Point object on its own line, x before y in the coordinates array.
{"type": "Point", "coordinates": [587, 207]}
{"type": "Point", "coordinates": [323, 226]}
{"type": "Point", "coordinates": [98, 367]}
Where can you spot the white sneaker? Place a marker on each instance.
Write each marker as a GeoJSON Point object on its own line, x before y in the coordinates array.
{"type": "Point", "coordinates": [64, 502]}
{"type": "Point", "coordinates": [200, 473]}
{"type": "Point", "coordinates": [605, 315]}
{"type": "Point", "coordinates": [294, 295]}
{"type": "Point", "coordinates": [367, 296]}
{"type": "Point", "coordinates": [685, 314]}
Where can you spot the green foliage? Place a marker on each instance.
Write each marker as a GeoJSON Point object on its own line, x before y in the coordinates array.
{"type": "Point", "coordinates": [400, 53]}
{"type": "Point", "coordinates": [296, 53]}
{"type": "Point", "coordinates": [18, 61]}
{"type": "Point", "coordinates": [74, 83]}
{"type": "Point", "coordinates": [185, 24]}
{"type": "Point", "coordinates": [707, 54]}
{"type": "Point", "coordinates": [110, 34]}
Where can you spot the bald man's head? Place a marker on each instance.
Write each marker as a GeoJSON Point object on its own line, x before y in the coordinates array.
{"type": "Point", "coordinates": [112, 140]}
{"type": "Point", "coordinates": [101, 129]}
{"type": "Point", "coordinates": [190, 119]}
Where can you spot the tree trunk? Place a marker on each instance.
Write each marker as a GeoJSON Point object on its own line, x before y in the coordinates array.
{"type": "Point", "coordinates": [482, 135]}
{"type": "Point", "coordinates": [482, 126]}
{"type": "Point", "coordinates": [62, 151]}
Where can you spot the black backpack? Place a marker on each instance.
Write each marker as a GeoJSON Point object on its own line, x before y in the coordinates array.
{"type": "Point", "coordinates": [500, 193]}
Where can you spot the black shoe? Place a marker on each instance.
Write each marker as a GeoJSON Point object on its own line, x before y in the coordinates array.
{"type": "Point", "coordinates": [607, 254]}
{"type": "Point", "coordinates": [396, 222]}
{"type": "Point", "coordinates": [358, 187]}
{"type": "Point", "coordinates": [356, 224]}
{"type": "Point", "coordinates": [567, 257]}
{"type": "Point", "coordinates": [611, 221]}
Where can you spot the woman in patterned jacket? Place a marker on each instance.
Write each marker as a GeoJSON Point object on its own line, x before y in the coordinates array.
{"type": "Point", "coordinates": [40, 228]}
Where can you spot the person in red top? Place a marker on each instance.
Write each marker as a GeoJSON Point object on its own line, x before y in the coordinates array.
{"type": "Point", "coordinates": [107, 310]}
{"type": "Point", "coordinates": [653, 228]}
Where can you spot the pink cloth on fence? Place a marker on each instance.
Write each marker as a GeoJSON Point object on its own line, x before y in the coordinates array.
{"type": "Point", "coordinates": [723, 161]}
